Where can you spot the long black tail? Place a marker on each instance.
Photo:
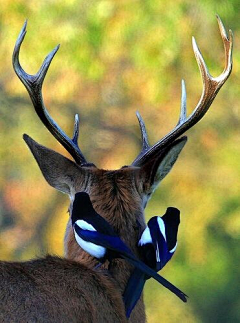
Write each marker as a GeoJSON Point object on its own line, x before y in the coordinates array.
{"type": "Point", "coordinates": [133, 290]}
{"type": "Point", "coordinates": [150, 272]}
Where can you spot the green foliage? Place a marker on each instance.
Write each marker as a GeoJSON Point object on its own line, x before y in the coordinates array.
{"type": "Point", "coordinates": [117, 57]}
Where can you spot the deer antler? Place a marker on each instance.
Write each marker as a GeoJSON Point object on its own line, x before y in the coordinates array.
{"type": "Point", "coordinates": [33, 84]}
{"type": "Point", "coordinates": [211, 86]}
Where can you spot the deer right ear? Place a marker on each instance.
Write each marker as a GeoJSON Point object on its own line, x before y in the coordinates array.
{"type": "Point", "coordinates": [157, 168]}
{"type": "Point", "coordinates": [59, 171]}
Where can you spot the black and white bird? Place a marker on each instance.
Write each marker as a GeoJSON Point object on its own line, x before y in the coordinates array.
{"type": "Point", "coordinates": [157, 245]}
{"type": "Point", "coordinates": [97, 237]}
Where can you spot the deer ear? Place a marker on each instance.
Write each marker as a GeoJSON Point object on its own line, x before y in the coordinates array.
{"type": "Point", "coordinates": [59, 171]}
{"type": "Point", "coordinates": [156, 169]}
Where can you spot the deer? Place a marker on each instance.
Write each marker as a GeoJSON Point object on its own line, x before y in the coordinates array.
{"type": "Point", "coordinates": [71, 288]}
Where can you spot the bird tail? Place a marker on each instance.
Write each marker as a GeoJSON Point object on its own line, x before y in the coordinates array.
{"type": "Point", "coordinates": [150, 272]}
{"type": "Point", "coordinates": [133, 290]}
{"type": "Point", "coordinates": [116, 244]}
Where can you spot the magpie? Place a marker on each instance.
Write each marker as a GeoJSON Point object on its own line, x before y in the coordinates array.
{"type": "Point", "coordinates": [97, 237]}
{"type": "Point", "coordinates": [157, 245]}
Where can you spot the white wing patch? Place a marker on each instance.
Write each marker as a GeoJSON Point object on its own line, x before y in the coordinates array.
{"type": "Point", "coordinates": [161, 227]}
{"type": "Point", "coordinates": [145, 238]}
{"type": "Point", "coordinates": [91, 248]}
{"type": "Point", "coordinates": [85, 225]}
{"type": "Point", "coordinates": [173, 249]}
{"type": "Point", "coordinates": [157, 254]}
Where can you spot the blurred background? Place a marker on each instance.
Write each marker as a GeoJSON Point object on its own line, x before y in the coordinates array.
{"type": "Point", "coordinates": [117, 57]}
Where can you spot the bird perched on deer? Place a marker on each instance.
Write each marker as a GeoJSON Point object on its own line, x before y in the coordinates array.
{"type": "Point", "coordinates": [157, 245]}
{"type": "Point", "coordinates": [97, 237]}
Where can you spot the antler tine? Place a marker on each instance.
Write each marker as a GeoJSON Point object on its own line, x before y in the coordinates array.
{"type": "Point", "coordinates": [211, 86]}
{"type": "Point", "coordinates": [228, 45]}
{"type": "Point", "coordinates": [145, 144]}
{"type": "Point", "coordinates": [33, 84]}
{"type": "Point", "coordinates": [183, 111]}
{"type": "Point", "coordinates": [76, 129]}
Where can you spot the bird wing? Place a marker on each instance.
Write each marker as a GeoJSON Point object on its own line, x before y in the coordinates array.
{"type": "Point", "coordinates": [114, 243]}
{"type": "Point", "coordinates": [158, 241]}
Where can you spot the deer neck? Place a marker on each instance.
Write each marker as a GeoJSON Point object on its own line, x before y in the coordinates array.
{"type": "Point", "coordinates": [119, 269]}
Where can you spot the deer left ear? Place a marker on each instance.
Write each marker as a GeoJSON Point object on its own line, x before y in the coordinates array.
{"type": "Point", "coordinates": [60, 172]}
{"type": "Point", "coordinates": [157, 168]}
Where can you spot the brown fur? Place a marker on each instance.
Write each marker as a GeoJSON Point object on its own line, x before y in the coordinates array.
{"type": "Point", "coordinates": [115, 196]}
{"type": "Point", "coordinates": [57, 290]}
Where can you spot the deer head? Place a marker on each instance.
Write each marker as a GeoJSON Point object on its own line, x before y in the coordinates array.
{"type": "Point", "coordinates": [120, 195]}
